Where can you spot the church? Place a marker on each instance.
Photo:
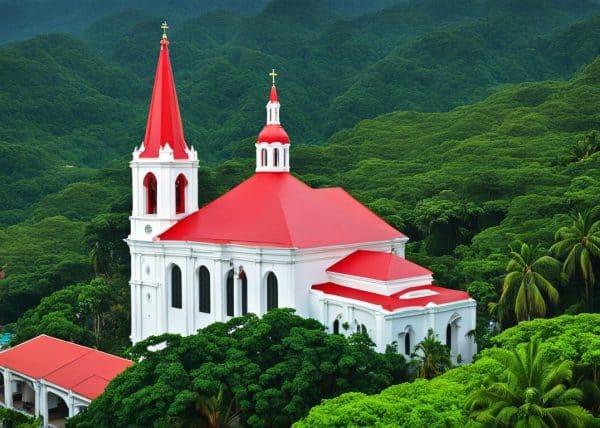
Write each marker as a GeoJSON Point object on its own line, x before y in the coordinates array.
{"type": "Point", "coordinates": [271, 242]}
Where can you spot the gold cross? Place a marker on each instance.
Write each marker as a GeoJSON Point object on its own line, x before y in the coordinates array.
{"type": "Point", "coordinates": [164, 27]}
{"type": "Point", "coordinates": [273, 75]}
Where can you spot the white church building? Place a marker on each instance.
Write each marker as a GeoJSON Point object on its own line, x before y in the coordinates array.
{"type": "Point", "coordinates": [270, 242]}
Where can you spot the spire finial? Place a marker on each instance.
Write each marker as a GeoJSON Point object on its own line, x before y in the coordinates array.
{"type": "Point", "coordinates": [164, 27]}
{"type": "Point", "coordinates": [273, 75]}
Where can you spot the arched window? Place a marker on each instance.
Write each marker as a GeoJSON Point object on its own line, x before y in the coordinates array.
{"type": "Point", "coordinates": [272, 299]}
{"type": "Point", "coordinates": [363, 329]}
{"type": "Point", "coordinates": [449, 336]}
{"type": "Point", "coordinates": [150, 185]}
{"type": "Point", "coordinates": [263, 157]}
{"type": "Point", "coordinates": [204, 290]}
{"type": "Point", "coordinates": [407, 347]}
{"type": "Point", "coordinates": [176, 293]}
{"type": "Point", "coordinates": [276, 157]}
{"type": "Point", "coordinates": [244, 281]}
{"type": "Point", "coordinates": [180, 185]}
{"type": "Point", "coordinates": [229, 292]}
{"type": "Point", "coordinates": [336, 326]}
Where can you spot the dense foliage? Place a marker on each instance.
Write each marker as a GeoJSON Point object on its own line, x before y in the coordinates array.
{"type": "Point", "coordinates": [273, 368]}
{"type": "Point", "coordinates": [566, 341]}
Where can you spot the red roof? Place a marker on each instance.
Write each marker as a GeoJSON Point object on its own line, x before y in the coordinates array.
{"type": "Point", "coordinates": [273, 97]}
{"type": "Point", "coordinates": [378, 265]}
{"type": "Point", "coordinates": [278, 210]}
{"type": "Point", "coordinates": [395, 301]}
{"type": "Point", "coordinates": [83, 370]}
{"type": "Point", "coordinates": [164, 120]}
{"type": "Point", "coordinates": [273, 134]}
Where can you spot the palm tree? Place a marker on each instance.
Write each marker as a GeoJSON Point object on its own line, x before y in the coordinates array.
{"type": "Point", "coordinates": [585, 147]}
{"type": "Point", "coordinates": [530, 393]}
{"type": "Point", "coordinates": [210, 412]}
{"type": "Point", "coordinates": [526, 285]}
{"type": "Point", "coordinates": [580, 245]}
{"type": "Point", "coordinates": [432, 357]}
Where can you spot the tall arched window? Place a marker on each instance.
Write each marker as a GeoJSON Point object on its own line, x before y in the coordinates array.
{"type": "Point", "coordinates": [204, 290]}
{"type": "Point", "coordinates": [272, 299]}
{"type": "Point", "coordinates": [180, 185]}
{"type": "Point", "coordinates": [263, 157]}
{"type": "Point", "coordinates": [407, 347]}
{"type": "Point", "coordinates": [176, 292]}
{"type": "Point", "coordinates": [244, 281]}
{"type": "Point", "coordinates": [229, 292]}
{"type": "Point", "coordinates": [275, 157]}
{"type": "Point", "coordinates": [336, 326]}
{"type": "Point", "coordinates": [150, 185]}
{"type": "Point", "coordinates": [449, 336]}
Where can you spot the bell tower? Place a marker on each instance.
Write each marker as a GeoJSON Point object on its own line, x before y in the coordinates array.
{"type": "Point", "coordinates": [164, 169]}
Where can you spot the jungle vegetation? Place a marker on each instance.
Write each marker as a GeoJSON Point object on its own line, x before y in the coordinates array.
{"type": "Point", "coordinates": [472, 127]}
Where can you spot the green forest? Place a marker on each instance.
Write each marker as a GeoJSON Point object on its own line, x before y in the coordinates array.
{"type": "Point", "coordinates": [471, 126]}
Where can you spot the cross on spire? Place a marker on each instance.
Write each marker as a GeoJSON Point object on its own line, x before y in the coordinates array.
{"type": "Point", "coordinates": [273, 75]}
{"type": "Point", "coordinates": [164, 27]}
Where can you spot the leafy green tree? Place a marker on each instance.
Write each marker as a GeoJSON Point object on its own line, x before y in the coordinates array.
{"type": "Point", "coordinates": [532, 392]}
{"type": "Point", "coordinates": [275, 368]}
{"type": "Point", "coordinates": [432, 357]}
{"type": "Point", "coordinates": [579, 244]}
{"type": "Point", "coordinates": [526, 286]}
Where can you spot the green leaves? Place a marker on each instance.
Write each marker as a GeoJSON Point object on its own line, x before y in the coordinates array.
{"type": "Point", "coordinates": [274, 368]}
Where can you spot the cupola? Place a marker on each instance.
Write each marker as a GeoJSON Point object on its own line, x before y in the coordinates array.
{"type": "Point", "coordinates": [273, 143]}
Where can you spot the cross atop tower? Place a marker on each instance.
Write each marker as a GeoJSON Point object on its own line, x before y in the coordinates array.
{"type": "Point", "coordinates": [164, 27]}
{"type": "Point", "coordinates": [273, 75]}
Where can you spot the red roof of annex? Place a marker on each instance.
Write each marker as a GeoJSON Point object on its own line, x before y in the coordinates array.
{"type": "Point", "coordinates": [276, 209]}
{"type": "Point", "coordinates": [83, 370]}
{"type": "Point", "coordinates": [399, 300]}
{"type": "Point", "coordinates": [164, 120]}
{"type": "Point", "coordinates": [379, 266]}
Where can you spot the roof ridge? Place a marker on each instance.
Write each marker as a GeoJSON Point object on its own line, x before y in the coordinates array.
{"type": "Point", "coordinates": [68, 362]}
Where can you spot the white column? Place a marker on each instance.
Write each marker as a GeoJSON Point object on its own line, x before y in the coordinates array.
{"type": "Point", "coordinates": [190, 307]}
{"type": "Point", "coordinates": [37, 387]}
{"type": "Point", "coordinates": [44, 403]}
{"type": "Point", "coordinates": [8, 390]}
{"type": "Point", "coordinates": [71, 404]}
{"type": "Point", "coordinates": [379, 326]}
{"type": "Point", "coordinates": [162, 303]}
{"type": "Point", "coordinates": [218, 291]}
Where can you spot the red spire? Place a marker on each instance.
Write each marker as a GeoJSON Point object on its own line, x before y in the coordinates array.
{"type": "Point", "coordinates": [273, 97]}
{"type": "Point", "coordinates": [164, 120]}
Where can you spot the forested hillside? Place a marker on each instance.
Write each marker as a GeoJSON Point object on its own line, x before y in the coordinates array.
{"type": "Point", "coordinates": [72, 102]}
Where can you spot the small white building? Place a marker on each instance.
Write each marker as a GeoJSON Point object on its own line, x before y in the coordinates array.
{"type": "Point", "coordinates": [53, 378]}
{"type": "Point", "coordinates": [270, 242]}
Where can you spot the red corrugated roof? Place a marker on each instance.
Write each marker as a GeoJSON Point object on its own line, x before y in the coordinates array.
{"type": "Point", "coordinates": [164, 120]}
{"type": "Point", "coordinates": [278, 210]}
{"type": "Point", "coordinates": [394, 302]}
{"type": "Point", "coordinates": [378, 265]}
{"type": "Point", "coordinates": [83, 370]}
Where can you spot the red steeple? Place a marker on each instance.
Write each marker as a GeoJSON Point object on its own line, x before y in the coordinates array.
{"type": "Point", "coordinates": [164, 120]}
{"type": "Point", "coordinates": [273, 97]}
